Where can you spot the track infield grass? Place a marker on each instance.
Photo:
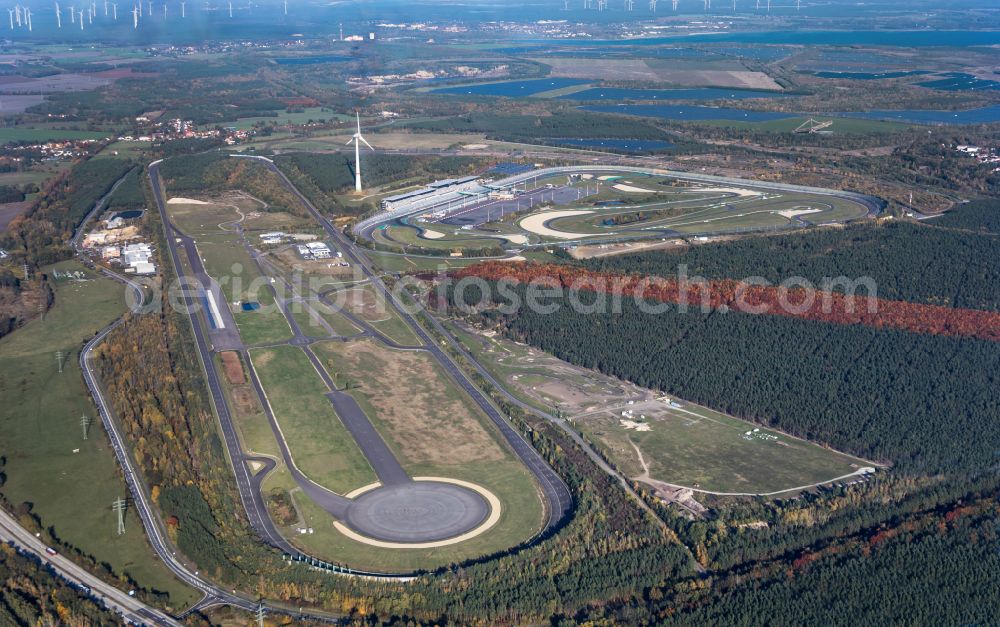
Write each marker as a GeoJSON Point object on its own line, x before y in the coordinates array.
{"type": "Point", "coordinates": [320, 445]}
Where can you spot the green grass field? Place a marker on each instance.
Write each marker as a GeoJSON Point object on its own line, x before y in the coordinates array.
{"type": "Point", "coordinates": [699, 448]}
{"type": "Point", "coordinates": [310, 114]}
{"type": "Point", "coordinates": [688, 445]}
{"type": "Point", "coordinates": [320, 444]}
{"type": "Point", "coordinates": [40, 430]}
{"type": "Point", "coordinates": [18, 134]}
{"type": "Point", "coordinates": [841, 125]}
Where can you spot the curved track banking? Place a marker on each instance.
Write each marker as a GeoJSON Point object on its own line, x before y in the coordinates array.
{"type": "Point", "coordinates": [871, 204]}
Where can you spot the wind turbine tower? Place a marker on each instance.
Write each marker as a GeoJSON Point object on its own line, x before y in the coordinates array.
{"type": "Point", "coordinates": [183, 13]}
{"type": "Point", "coordinates": [164, 11]}
{"type": "Point", "coordinates": [80, 11]}
{"type": "Point", "coordinates": [27, 16]}
{"type": "Point", "coordinates": [230, 9]}
{"type": "Point", "coordinates": [135, 18]}
{"type": "Point", "coordinates": [11, 15]}
{"type": "Point", "coordinates": [286, 7]}
{"type": "Point", "coordinates": [356, 140]}
{"type": "Point", "coordinates": [17, 14]}
{"type": "Point", "coordinates": [114, 10]}
{"type": "Point", "coordinates": [652, 6]}
{"type": "Point", "coordinates": [105, 8]}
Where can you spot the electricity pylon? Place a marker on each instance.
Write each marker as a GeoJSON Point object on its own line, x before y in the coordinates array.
{"type": "Point", "coordinates": [119, 506]}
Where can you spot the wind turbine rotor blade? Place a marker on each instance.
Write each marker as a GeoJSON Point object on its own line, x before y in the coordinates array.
{"type": "Point", "coordinates": [365, 141]}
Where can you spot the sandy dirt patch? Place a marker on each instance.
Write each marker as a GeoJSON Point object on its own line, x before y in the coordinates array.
{"type": "Point", "coordinates": [186, 201]}
{"type": "Point", "coordinates": [429, 234]}
{"type": "Point", "coordinates": [742, 193]}
{"type": "Point", "coordinates": [515, 239]}
{"type": "Point", "coordinates": [536, 223]}
{"type": "Point", "coordinates": [427, 420]}
{"type": "Point", "coordinates": [232, 367]}
{"type": "Point", "coordinates": [632, 190]}
{"type": "Point", "coordinates": [791, 213]}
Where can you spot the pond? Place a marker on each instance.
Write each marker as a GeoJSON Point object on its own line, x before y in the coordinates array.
{"type": "Point", "coordinates": [701, 93]}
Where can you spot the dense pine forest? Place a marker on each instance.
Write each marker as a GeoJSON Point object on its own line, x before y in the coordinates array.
{"type": "Point", "coordinates": [32, 594]}
{"type": "Point", "coordinates": [321, 176]}
{"type": "Point", "coordinates": [981, 216]}
{"type": "Point", "coordinates": [924, 403]}
{"type": "Point", "coordinates": [909, 262]}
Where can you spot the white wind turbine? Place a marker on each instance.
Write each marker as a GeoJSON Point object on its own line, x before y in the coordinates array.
{"type": "Point", "coordinates": [11, 14]}
{"type": "Point", "coordinates": [135, 17]}
{"type": "Point", "coordinates": [17, 14]}
{"type": "Point", "coordinates": [356, 139]}
{"type": "Point", "coordinates": [114, 10]}
{"type": "Point", "coordinates": [58, 16]}
{"type": "Point", "coordinates": [183, 14]}
{"type": "Point", "coordinates": [27, 16]}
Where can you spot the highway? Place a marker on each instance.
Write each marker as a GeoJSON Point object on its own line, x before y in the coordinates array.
{"type": "Point", "coordinates": [131, 609]}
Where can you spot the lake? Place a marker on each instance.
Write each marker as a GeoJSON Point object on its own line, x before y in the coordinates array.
{"type": "Point", "coordinates": [631, 145]}
{"type": "Point", "coordinates": [869, 76]}
{"type": "Point", "coordinates": [903, 38]}
{"type": "Point", "coordinates": [513, 89]}
{"type": "Point", "coordinates": [959, 81]}
{"type": "Point", "coordinates": [701, 93]}
{"type": "Point", "coordinates": [984, 115]}
{"type": "Point", "coordinates": [689, 113]}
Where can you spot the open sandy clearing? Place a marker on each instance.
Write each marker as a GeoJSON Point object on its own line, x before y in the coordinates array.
{"type": "Point", "coordinates": [743, 193]}
{"type": "Point", "coordinates": [536, 223]}
{"type": "Point", "coordinates": [177, 200]}
{"type": "Point", "coordinates": [514, 239]}
{"type": "Point", "coordinates": [634, 190]}
{"type": "Point", "coordinates": [429, 234]}
{"type": "Point", "coordinates": [791, 213]}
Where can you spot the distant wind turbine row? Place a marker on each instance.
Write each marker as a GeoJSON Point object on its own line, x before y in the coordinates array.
{"type": "Point", "coordinates": [629, 5]}
{"type": "Point", "coordinates": [21, 16]}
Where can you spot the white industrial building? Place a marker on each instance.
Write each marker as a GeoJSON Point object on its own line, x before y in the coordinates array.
{"type": "Point", "coordinates": [435, 193]}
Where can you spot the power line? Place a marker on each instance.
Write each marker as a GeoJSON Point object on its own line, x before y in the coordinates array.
{"type": "Point", "coordinates": [59, 360]}
{"type": "Point", "coordinates": [84, 422]}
